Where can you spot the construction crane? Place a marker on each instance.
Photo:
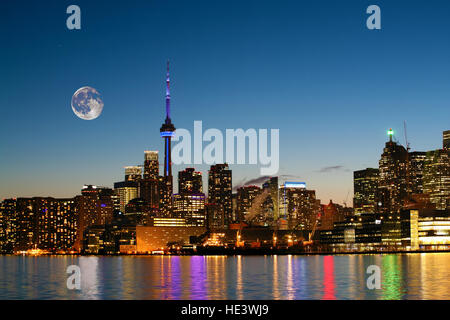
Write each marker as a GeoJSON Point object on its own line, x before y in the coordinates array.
{"type": "Point", "coordinates": [346, 198]}
{"type": "Point", "coordinates": [312, 232]}
{"type": "Point", "coordinates": [255, 208]}
{"type": "Point", "coordinates": [252, 214]}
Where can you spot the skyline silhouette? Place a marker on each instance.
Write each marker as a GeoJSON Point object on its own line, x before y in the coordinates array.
{"type": "Point", "coordinates": [331, 86]}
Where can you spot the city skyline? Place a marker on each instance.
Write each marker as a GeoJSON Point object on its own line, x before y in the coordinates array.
{"type": "Point", "coordinates": [50, 152]}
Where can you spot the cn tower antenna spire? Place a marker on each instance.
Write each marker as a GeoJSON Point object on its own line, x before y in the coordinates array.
{"type": "Point", "coordinates": [168, 94]}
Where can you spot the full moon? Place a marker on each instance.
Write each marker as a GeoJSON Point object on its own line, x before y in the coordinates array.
{"type": "Point", "coordinates": [87, 103]}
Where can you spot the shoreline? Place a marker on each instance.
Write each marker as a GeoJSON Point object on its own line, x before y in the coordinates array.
{"type": "Point", "coordinates": [236, 253]}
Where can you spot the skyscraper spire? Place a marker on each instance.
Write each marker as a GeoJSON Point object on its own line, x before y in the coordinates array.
{"type": "Point", "coordinates": [168, 94]}
{"type": "Point", "coordinates": [390, 134]}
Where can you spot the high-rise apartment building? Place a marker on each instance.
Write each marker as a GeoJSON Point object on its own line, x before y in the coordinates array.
{"type": "Point", "coordinates": [220, 190]}
{"type": "Point", "coordinates": [46, 223]}
{"type": "Point", "coordinates": [8, 225]}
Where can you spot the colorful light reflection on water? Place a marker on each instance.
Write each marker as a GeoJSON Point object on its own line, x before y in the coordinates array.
{"type": "Point", "coordinates": [406, 276]}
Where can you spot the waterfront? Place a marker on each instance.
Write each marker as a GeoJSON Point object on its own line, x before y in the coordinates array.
{"type": "Point", "coordinates": [403, 276]}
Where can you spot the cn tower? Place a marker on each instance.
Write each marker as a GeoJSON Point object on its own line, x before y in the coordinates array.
{"type": "Point", "coordinates": [167, 131]}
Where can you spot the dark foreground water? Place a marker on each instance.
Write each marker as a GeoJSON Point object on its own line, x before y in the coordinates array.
{"type": "Point", "coordinates": [403, 276]}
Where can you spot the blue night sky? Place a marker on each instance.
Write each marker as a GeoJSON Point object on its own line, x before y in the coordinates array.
{"type": "Point", "coordinates": [310, 68]}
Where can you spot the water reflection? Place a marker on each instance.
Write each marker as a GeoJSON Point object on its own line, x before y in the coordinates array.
{"type": "Point", "coordinates": [408, 276]}
{"type": "Point", "coordinates": [391, 277]}
{"type": "Point", "coordinates": [328, 278]}
{"type": "Point", "coordinates": [275, 281]}
{"type": "Point", "coordinates": [290, 280]}
{"type": "Point", "coordinates": [198, 278]}
{"type": "Point", "coordinates": [89, 277]}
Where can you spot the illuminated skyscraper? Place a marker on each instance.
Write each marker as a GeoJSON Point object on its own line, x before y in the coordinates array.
{"type": "Point", "coordinates": [365, 185]}
{"type": "Point", "coordinates": [446, 140]}
{"type": "Point", "coordinates": [191, 207]}
{"type": "Point", "coordinates": [46, 223]}
{"type": "Point", "coordinates": [128, 190]}
{"type": "Point", "coordinates": [220, 190]}
{"type": "Point", "coordinates": [133, 173]}
{"type": "Point", "coordinates": [416, 166]}
{"type": "Point", "coordinates": [298, 205]}
{"type": "Point", "coordinates": [8, 225]}
{"type": "Point", "coordinates": [392, 186]}
{"type": "Point", "coordinates": [436, 178]}
{"type": "Point", "coordinates": [167, 131]}
{"type": "Point", "coordinates": [151, 165]}
{"type": "Point", "coordinates": [149, 185]}
{"type": "Point", "coordinates": [190, 181]}
{"type": "Point", "coordinates": [189, 203]}
{"type": "Point", "coordinates": [95, 206]}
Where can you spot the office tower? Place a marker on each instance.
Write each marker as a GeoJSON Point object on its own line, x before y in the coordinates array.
{"type": "Point", "coordinates": [392, 184]}
{"type": "Point", "coordinates": [189, 203]}
{"type": "Point", "coordinates": [129, 189]}
{"type": "Point", "coordinates": [415, 172]}
{"type": "Point", "coordinates": [365, 184]}
{"type": "Point", "coordinates": [272, 201]}
{"type": "Point", "coordinates": [220, 190]}
{"type": "Point", "coordinates": [149, 185]}
{"type": "Point", "coordinates": [8, 225]}
{"type": "Point", "coordinates": [133, 173]}
{"type": "Point", "coordinates": [151, 165]}
{"type": "Point", "coordinates": [190, 181]}
{"type": "Point", "coordinates": [245, 198]}
{"type": "Point", "coordinates": [191, 207]}
{"type": "Point", "coordinates": [95, 206]}
{"type": "Point", "coordinates": [298, 205]}
{"type": "Point", "coordinates": [436, 178]}
{"type": "Point", "coordinates": [167, 131]}
{"type": "Point", "coordinates": [446, 140]}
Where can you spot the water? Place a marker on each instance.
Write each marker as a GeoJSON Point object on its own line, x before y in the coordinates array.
{"type": "Point", "coordinates": [403, 276]}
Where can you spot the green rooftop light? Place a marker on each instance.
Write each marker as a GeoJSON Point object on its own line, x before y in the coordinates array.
{"type": "Point", "coordinates": [390, 132]}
